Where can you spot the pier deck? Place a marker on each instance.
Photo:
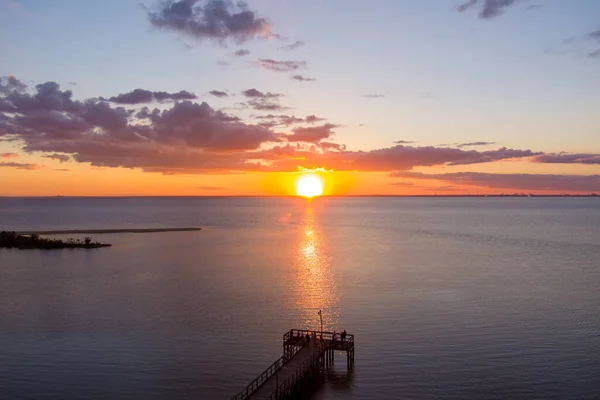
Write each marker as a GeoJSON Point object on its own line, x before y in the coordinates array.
{"type": "Point", "coordinates": [302, 360]}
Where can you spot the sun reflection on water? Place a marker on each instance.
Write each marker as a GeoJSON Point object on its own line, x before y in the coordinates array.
{"type": "Point", "coordinates": [312, 277]}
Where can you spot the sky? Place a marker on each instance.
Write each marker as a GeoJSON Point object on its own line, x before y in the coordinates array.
{"type": "Point", "coordinates": [215, 97]}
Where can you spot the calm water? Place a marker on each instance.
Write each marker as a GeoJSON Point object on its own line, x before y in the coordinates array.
{"type": "Point", "coordinates": [448, 298]}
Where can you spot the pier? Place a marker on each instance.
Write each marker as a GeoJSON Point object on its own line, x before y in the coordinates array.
{"type": "Point", "coordinates": [302, 361]}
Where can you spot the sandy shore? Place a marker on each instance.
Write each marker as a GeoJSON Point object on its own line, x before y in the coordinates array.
{"type": "Point", "coordinates": [102, 231]}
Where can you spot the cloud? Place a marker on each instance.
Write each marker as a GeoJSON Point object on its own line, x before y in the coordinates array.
{"type": "Point", "coordinates": [525, 182]}
{"type": "Point", "coordinates": [58, 157]}
{"type": "Point", "coordinates": [140, 96]}
{"type": "Point", "coordinates": [212, 19]}
{"type": "Point", "coordinates": [281, 66]}
{"type": "Point", "coordinates": [241, 53]}
{"type": "Point", "coordinates": [11, 84]}
{"type": "Point", "coordinates": [332, 146]}
{"type": "Point", "coordinates": [25, 166]}
{"type": "Point", "coordinates": [287, 120]}
{"type": "Point", "coordinates": [374, 96]}
{"type": "Point", "coordinates": [185, 137]}
{"type": "Point", "coordinates": [312, 134]}
{"type": "Point", "coordinates": [293, 46]}
{"type": "Point", "coordinates": [403, 141]}
{"type": "Point", "coordinates": [263, 101]}
{"type": "Point", "coordinates": [302, 78]}
{"type": "Point", "coordinates": [218, 93]}
{"type": "Point", "coordinates": [190, 137]}
{"type": "Point", "coordinates": [594, 35]}
{"type": "Point", "coordinates": [568, 158]}
{"type": "Point", "coordinates": [61, 169]}
{"type": "Point", "coordinates": [594, 54]}
{"type": "Point", "coordinates": [8, 155]}
{"type": "Point", "coordinates": [474, 144]}
{"type": "Point", "coordinates": [489, 8]}
{"type": "Point", "coordinates": [253, 93]}
{"type": "Point", "coordinates": [395, 158]}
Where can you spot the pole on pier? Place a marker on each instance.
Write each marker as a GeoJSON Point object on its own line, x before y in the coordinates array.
{"type": "Point", "coordinates": [321, 318]}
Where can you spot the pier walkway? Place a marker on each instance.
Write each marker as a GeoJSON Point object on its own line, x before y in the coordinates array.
{"type": "Point", "coordinates": [301, 362]}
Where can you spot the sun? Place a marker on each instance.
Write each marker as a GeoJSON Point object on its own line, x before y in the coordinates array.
{"type": "Point", "coordinates": [309, 185]}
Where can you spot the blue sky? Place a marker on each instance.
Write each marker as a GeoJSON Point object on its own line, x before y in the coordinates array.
{"type": "Point", "coordinates": [522, 79]}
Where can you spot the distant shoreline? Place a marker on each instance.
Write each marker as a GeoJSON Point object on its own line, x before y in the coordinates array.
{"type": "Point", "coordinates": [596, 195]}
{"type": "Point", "coordinates": [106, 231]}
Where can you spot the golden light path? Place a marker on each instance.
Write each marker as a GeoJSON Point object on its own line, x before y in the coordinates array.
{"type": "Point", "coordinates": [313, 277]}
{"type": "Point", "coordinates": [309, 185]}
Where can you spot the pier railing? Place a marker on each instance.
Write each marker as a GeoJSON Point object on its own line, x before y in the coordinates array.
{"type": "Point", "coordinates": [269, 372]}
{"type": "Point", "coordinates": [298, 333]}
{"type": "Point", "coordinates": [285, 387]}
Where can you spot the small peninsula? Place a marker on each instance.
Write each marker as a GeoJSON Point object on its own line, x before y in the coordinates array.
{"type": "Point", "coordinates": [20, 241]}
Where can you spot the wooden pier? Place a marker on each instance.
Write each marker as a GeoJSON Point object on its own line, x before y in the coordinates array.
{"type": "Point", "coordinates": [303, 360]}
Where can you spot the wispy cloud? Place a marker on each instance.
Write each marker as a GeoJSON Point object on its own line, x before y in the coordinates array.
{"type": "Point", "coordinates": [488, 9]}
{"type": "Point", "coordinates": [302, 78]}
{"type": "Point", "coordinates": [374, 96]}
{"type": "Point", "coordinates": [568, 158]}
{"type": "Point", "coordinates": [293, 46]}
{"type": "Point", "coordinates": [241, 52]}
{"type": "Point", "coordinates": [524, 182]}
{"type": "Point", "coordinates": [218, 93]}
{"type": "Point", "coordinates": [25, 166]}
{"type": "Point", "coordinates": [8, 155]}
{"type": "Point", "coordinates": [254, 93]}
{"type": "Point", "coordinates": [469, 144]}
{"type": "Point", "coordinates": [213, 19]}
{"type": "Point", "coordinates": [58, 157]}
{"type": "Point", "coordinates": [403, 141]}
{"type": "Point", "coordinates": [140, 96]}
{"type": "Point", "coordinates": [281, 66]}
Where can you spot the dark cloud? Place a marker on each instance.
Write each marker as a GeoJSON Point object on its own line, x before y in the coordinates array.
{"type": "Point", "coordinates": [8, 155]}
{"type": "Point", "coordinates": [302, 78]}
{"type": "Point", "coordinates": [469, 144]}
{"type": "Point", "coordinates": [263, 101]}
{"type": "Point", "coordinates": [218, 93]}
{"type": "Point", "coordinates": [140, 96]}
{"type": "Point", "coordinates": [397, 158]}
{"type": "Point", "coordinates": [568, 158]}
{"type": "Point", "coordinates": [595, 35]}
{"type": "Point", "coordinates": [253, 93]}
{"type": "Point", "coordinates": [488, 8]}
{"type": "Point", "coordinates": [211, 19]}
{"type": "Point", "coordinates": [187, 137]}
{"type": "Point", "coordinates": [373, 96]}
{"type": "Point", "coordinates": [313, 134]}
{"type": "Point", "coordinates": [403, 141]}
{"type": "Point", "coordinates": [332, 146]}
{"type": "Point", "coordinates": [16, 165]}
{"type": "Point", "coordinates": [293, 46]}
{"type": "Point", "coordinates": [241, 53]}
{"type": "Point", "coordinates": [281, 66]}
{"type": "Point", "coordinates": [594, 54]}
{"type": "Point", "coordinates": [525, 182]}
{"type": "Point", "coordinates": [264, 104]}
{"type": "Point", "coordinates": [58, 157]}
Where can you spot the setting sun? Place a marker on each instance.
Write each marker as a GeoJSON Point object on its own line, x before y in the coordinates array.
{"type": "Point", "coordinates": [309, 185]}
